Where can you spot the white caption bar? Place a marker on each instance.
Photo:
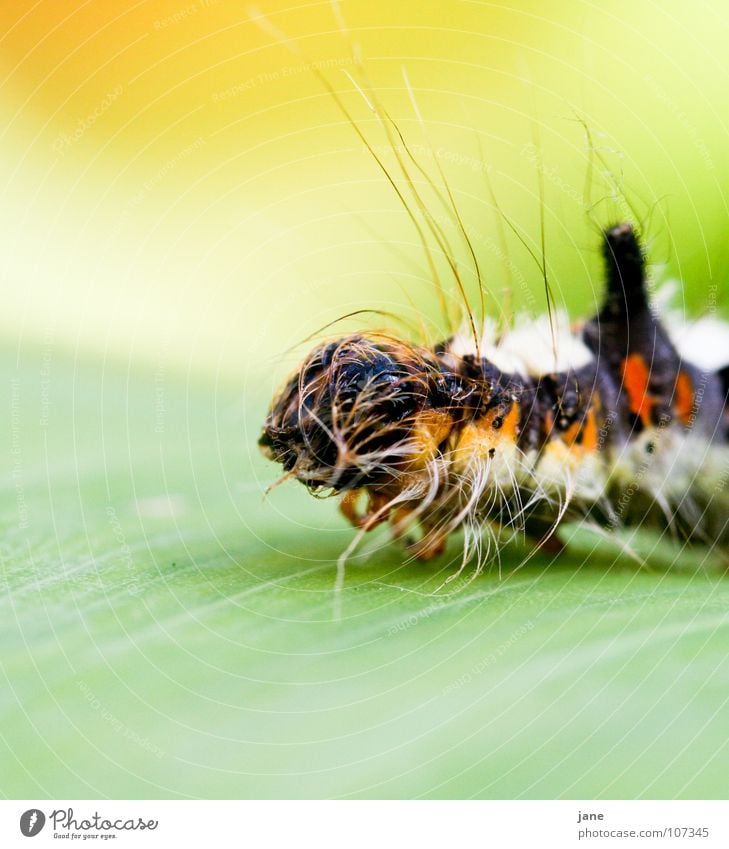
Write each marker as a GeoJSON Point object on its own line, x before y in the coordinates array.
{"type": "Point", "coordinates": [365, 824]}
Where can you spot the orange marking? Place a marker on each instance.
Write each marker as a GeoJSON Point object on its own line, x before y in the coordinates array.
{"type": "Point", "coordinates": [510, 428]}
{"type": "Point", "coordinates": [569, 437]}
{"type": "Point", "coordinates": [548, 424]}
{"type": "Point", "coordinates": [479, 439]}
{"type": "Point", "coordinates": [510, 425]}
{"type": "Point", "coordinates": [585, 427]}
{"type": "Point", "coordinates": [636, 380]}
{"type": "Point", "coordinates": [684, 401]}
{"type": "Point", "coordinates": [589, 432]}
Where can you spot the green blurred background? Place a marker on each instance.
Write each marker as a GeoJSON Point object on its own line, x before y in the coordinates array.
{"type": "Point", "coordinates": [184, 204]}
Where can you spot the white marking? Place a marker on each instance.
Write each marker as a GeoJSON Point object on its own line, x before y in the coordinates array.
{"type": "Point", "coordinates": [703, 342]}
{"type": "Point", "coordinates": [541, 350]}
{"type": "Point", "coordinates": [679, 466]}
{"type": "Point", "coordinates": [663, 299]}
{"type": "Point", "coordinates": [529, 348]}
{"type": "Point", "coordinates": [561, 470]}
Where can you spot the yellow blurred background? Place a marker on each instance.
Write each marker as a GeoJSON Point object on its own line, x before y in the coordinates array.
{"type": "Point", "coordinates": [178, 183]}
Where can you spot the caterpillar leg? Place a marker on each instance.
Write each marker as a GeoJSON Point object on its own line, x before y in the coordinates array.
{"type": "Point", "coordinates": [401, 519]}
{"type": "Point", "coordinates": [551, 545]}
{"type": "Point", "coordinates": [432, 544]}
{"type": "Point", "coordinates": [375, 514]}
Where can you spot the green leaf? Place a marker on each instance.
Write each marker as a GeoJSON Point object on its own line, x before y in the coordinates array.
{"type": "Point", "coordinates": [168, 632]}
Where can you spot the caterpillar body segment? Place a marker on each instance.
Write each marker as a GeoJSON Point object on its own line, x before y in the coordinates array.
{"type": "Point", "coordinates": [623, 419]}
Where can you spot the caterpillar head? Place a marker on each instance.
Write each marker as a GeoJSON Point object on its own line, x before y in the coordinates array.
{"type": "Point", "coordinates": [361, 411]}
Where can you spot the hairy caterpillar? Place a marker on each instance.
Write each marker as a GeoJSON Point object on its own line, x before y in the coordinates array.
{"type": "Point", "coordinates": [618, 420]}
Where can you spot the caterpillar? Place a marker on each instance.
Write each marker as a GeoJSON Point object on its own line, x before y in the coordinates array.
{"type": "Point", "coordinates": [621, 420]}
